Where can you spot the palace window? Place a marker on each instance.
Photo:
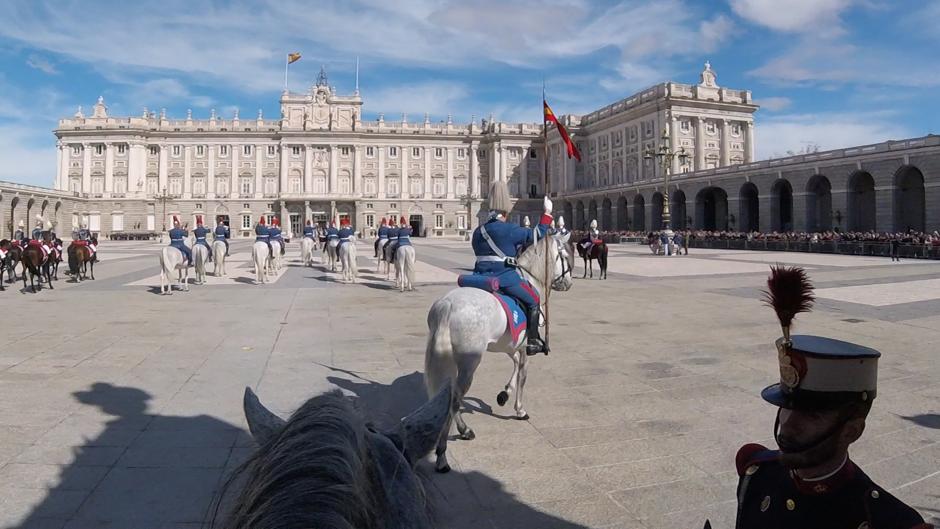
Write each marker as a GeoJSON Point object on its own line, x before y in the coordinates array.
{"type": "Point", "coordinates": [270, 186]}
{"type": "Point", "coordinates": [246, 206]}
{"type": "Point", "coordinates": [272, 150]}
{"type": "Point", "coordinates": [345, 185]}
{"type": "Point", "coordinates": [393, 152]}
{"type": "Point", "coordinates": [199, 186]}
{"type": "Point", "coordinates": [370, 152]}
{"type": "Point", "coordinates": [369, 205]}
{"type": "Point", "coordinates": [438, 152]}
{"type": "Point", "coordinates": [393, 188]}
{"type": "Point", "coordinates": [295, 150]}
{"type": "Point", "coordinates": [200, 150]}
{"type": "Point", "coordinates": [440, 187]}
{"type": "Point", "coordinates": [344, 151]}
{"type": "Point", "coordinates": [416, 152]}
{"type": "Point", "coordinates": [221, 186]}
{"type": "Point", "coordinates": [710, 127]}
{"type": "Point", "coordinates": [97, 184]}
{"type": "Point", "coordinates": [461, 153]}
{"type": "Point", "coordinates": [533, 154]}
{"type": "Point", "coordinates": [735, 129]}
{"type": "Point", "coordinates": [75, 185]}
{"type": "Point", "coordinates": [76, 150]}
{"type": "Point", "coordinates": [481, 155]}
{"type": "Point", "coordinates": [461, 222]}
{"type": "Point", "coordinates": [152, 185]}
{"type": "Point", "coordinates": [370, 220]}
{"type": "Point", "coordinates": [245, 186]}
{"type": "Point", "coordinates": [439, 221]}
{"type": "Point", "coordinates": [319, 185]}
{"type": "Point", "coordinates": [120, 184]}
{"type": "Point", "coordinates": [154, 150]}
{"type": "Point", "coordinates": [176, 186]}
{"type": "Point", "coordinates": [294, 184]}
{"type": "Point", "coordinates": [117, 222]}
{"type": "Point", "coordinates": [368, 186]}
{"type": "Point", "coordinates": [99, 150]}
{"type": "Point", "coordinates": [246, 222]}
{"type": "Point", "coordinates": [176, 150]}
{"type": "Point", "coordinates": [460, 186]}
{"type": "Point", "coordinates": [393, 206]}
{"type": "Point", "coordinates": [246, 150]}
{"type": "Point", "coordinates": [684, 125]}
{"type": "Point", "coordinates": [223, 150]}
{"type": "Point", "coordinates": [414, 187]}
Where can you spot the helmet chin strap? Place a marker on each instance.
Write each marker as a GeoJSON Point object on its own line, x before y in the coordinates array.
{"type": "Point", "coordinates": [807, 447]}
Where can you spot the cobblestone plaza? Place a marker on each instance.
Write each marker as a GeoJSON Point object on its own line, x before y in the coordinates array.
{"type": "Point", "coordinates": [126, 411]}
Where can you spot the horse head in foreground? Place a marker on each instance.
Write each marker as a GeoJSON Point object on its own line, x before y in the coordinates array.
{"type": "Point", "coordinates": [325, 467]}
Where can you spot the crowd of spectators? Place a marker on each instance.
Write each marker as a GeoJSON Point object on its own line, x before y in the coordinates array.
{"type": "Point", "coordinates": [910, 237]}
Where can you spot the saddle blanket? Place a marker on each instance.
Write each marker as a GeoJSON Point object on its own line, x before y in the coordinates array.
{"type": "Point", "coordinates": [515, 315]}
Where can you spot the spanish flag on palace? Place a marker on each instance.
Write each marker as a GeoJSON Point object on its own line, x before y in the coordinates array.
{"type": "Point", "coordinates": [292, 58]}
{"type": "Point", "coordinates": [550, 117]}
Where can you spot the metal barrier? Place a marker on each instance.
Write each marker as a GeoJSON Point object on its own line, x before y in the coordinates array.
{"type": "Point", "coordinates": [876, 249]}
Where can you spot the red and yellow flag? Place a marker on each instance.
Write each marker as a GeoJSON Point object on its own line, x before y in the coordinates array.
{"type": "Point", "coordinates": [292, 58]}
{"type": "Point", "coordinates": [550, 117]}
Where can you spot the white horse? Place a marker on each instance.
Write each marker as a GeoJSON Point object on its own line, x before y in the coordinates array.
{"type": "Point", "coordinates": [275, 263]}
{"type": "Point", "coordinates": [172, 259]}
{"type": "Point", "coordinates": [200, 258]}
{"type": "Point", "coordinates": [347, 258]}
{"type": "Point", "coordinates": [378, 265]}
{"type": "Point", "coordinates": [330, 249]}
{"type": "Point", "coordinates": [307, 247]}
{"type": "Point", "coordinates": [405, 267]}
{"type": "Point", "coordinates": [467, 322]}
{"type": "Point", "coordinates": [218, 255]}
{"type": "Point", "coordinates": [260, 257]}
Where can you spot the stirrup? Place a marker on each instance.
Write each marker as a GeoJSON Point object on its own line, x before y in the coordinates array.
{"type": "Point", "coordinates": [533, 348]}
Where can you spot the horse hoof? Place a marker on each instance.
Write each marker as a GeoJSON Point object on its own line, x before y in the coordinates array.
{"type": "Point", "coordinates": [502, 398]}
{"type": "Point", "coordinates": [468, 435]}
{"type": "Point", "coordinates": [523, 418]}
{"type": "Point", "coordinates": [443, 470]}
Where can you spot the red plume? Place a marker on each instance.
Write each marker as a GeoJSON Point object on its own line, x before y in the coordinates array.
{"type": "Point", "coordinates": [789, 292]}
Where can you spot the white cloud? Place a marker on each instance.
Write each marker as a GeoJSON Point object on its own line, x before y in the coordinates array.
{"type": "Point", "coordinates": [39, 63]}
{"type": "Point", "coordinates": [793, 15]}
{"type": "Point", "coordinates": [28, 155]}
{"type": "Point", "coordinates": [437, 98]}
{"type": "Point", "coordinates": [793, 132]}
{"type": "Point", "coordinates": [774, 104]}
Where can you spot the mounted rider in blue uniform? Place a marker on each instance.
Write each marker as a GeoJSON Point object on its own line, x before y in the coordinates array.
{"type": "Point", "coordinates": [345, 233]}
{"type": "Point", "coordinates": [392, 243]}
{"type": "Point", "coordinates": [383, 236]}
{"type": "Point", "coordinates": [404, 236]}
{"type": "Point", "coordinates": [222, 233]}
{"type": "Point", "coordinates": [496, 244]}
{"type": "Point", "coordinates": [201, 232]}
{"type": "Point", "coordinates": [275, 234]}
{"type": "Point", "coordinates": [263, 235]}
{"type": "Point", "coordinates": [177, 237]}
{"type": "Point", "coordinates": [309, 231]}
{"type": "Point", "coordinates": [332, 234]}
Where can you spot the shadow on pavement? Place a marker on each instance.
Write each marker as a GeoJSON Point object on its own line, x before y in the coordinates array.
{"type": "Point", "coordinates": [926, 420]}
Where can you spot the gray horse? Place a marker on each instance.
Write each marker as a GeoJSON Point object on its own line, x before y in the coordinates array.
{"type": "Point", "coordinates": [325, 467]}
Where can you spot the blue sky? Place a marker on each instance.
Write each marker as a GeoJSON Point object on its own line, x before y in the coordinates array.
{"type": "Point", "coordinates": [833, 73]}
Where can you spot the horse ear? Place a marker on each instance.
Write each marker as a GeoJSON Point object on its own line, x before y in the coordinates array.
{"type": "Point", "coordinates": [262, 422]}
{"type": "Point", "coordinates": [421, 430]}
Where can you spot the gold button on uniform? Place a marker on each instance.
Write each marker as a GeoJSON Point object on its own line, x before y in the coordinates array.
{"type": "Point", "coordinates": [765, 504]}
{"type": "Point", "coordinates": [791, 505]}
{"type": "Point", "coordinates": [874, 494]}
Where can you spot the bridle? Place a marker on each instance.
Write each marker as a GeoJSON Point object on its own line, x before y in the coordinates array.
{"type": "Point", "coordinates": [559, 256]}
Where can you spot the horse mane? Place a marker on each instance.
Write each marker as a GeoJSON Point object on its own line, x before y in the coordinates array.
{"type": "Point", "coordinates": [533, 259]}
{"type": "Point", "coordinates": [316, 472]}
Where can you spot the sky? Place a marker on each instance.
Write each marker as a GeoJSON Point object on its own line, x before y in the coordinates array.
{"type": "Point", "coordinates": [827, 73]}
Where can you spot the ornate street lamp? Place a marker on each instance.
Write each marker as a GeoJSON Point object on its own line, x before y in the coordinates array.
{"type": "Point", "coordinates": [163, 197]}
{"type": "Point", "coordinates": [467, 200]}
{"type": "Point", "coordinates": [664, 155]}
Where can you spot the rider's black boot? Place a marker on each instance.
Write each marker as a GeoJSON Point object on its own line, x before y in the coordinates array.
{"type": "Point", "coordinates": [534, 342]}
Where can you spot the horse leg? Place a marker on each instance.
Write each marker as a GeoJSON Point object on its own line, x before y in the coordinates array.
{"type": "Point", "coordinates": [92, 264]}
{"type": "Point", "coordinates": [511, 386]}
{"type": "Point", "coordinates": [591, 267]}
{"type": "Point", "coordinates": [523, 373]}
{"type": "Point", "coordinates": [585, 267]}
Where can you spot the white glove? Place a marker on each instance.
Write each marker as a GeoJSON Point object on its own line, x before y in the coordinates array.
{"type": "Point", "coordinates": [547, 205]}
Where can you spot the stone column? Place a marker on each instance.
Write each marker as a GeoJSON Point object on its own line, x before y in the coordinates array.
{"type": "Point", "coordinates": [699, 143]}
{"type": "Point", "coordinates": [308, 169]}
{"type": "Point", "coordinates": [259, 172]}
{"type": "Point", "coordinates": [86, 168]}
{"type": "Point", "coordinates": [357, 170]}
{"type": "Point", "coordinates": [284, 163]}
{"type": "Point", "coordinates": [473, 186]}
{"type": "Point", "coordinates": [674, 142]}
{"type": "Point", "coordinates": [427, 173]}
{"type": "Point", "coordinates": [307, 212]}
{"type": "Point", "coordinates": [380, 190]}
{"type": "Point", "coordinates": [233, 185]}
{"type": "Point", "coordinates": [210, 174]}
{"type": "Point", "coordinates": [136, 169]}
{"type": "Point", "coordinates": [451, 186]}
{"type": "Point", "coordinates": [162, 170]}
{"type": "Point", "coordinates": [64, 156]}
{"type": "Point", "coordinates": [524, 175]}
{"type": "Point", "coordinates": [334, 162]}
{"type": "Point", "coordinates": [725, 143]}
{"type": "Point", "coordinates": [187, 172]}
{"type": "Point", "coordinates": [405, 177]}
{"type": "Point", "coordinates": [285, 220]}
{"type": "Point", "coordinates": [749, 142]}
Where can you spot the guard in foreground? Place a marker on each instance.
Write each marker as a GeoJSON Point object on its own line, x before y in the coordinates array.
{"type": "Point", "coordinates": [824, 395]}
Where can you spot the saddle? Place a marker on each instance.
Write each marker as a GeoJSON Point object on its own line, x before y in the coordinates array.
{"type": "Point", "coordinates": [515, 314]}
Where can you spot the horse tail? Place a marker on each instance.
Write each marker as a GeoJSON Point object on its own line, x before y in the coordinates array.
{"type": "Point", "coordinates": [602, 257]}
{"type": "Point", "coordinates": [410, 266]}
{"type": "Point", "coordinates": [439, 362]}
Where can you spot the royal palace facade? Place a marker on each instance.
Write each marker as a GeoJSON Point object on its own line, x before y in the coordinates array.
{"type": "Point", "coordinates": [320, 160]}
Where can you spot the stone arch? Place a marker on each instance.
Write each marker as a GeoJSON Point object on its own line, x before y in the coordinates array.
{"type": "Point", "coordinates": [678, 211]}
{"type": "Point", "coordinates": [910, 207]}
{"type": "Point", "coordinates": [748, 208]}
{"type": "Point", "coordinates": [606, 220]}
{"type": "Point", "coordinates": [861, 202]}
{"type": "Point", "coordinates": [818, 204]}
{"type": "Point", "coordinates": [781, 206]}
{"type": "Point", "coordinates": [656, 220]}
{"type": "Point", "coordinates": [579, 216]}
{"type": "Point", "coordinates": [639, 213]}
{"type": "Point", "coordinates": [711, 209]}
{"type": "Point", "coordinates": [622, 223]}
{"type": "Point", "coordinates": [592, 211]}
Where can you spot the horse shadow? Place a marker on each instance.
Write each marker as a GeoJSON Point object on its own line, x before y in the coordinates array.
{"type": "Point", "coordinates": [925, 420]}
{"type": "Point", "coordinates": [141, 470]}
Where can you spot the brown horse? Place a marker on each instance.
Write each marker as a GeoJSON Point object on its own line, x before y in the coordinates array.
{"type": "Point", "coordinates": [13, 257]}
{"type": "Point", "coordinates": [35, 265]}
{"type": "Point", "coordinates": [598, 251]}
{"type": "Point", "coordinates": [4, 256]}
{"type": "Point", "coordinates": [80, 258]}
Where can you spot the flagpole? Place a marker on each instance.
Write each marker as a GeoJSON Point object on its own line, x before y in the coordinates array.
{"type": "Point", "coordinates": [548, 278]}
{"type": "Point", "coordinates": [286, 64]}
